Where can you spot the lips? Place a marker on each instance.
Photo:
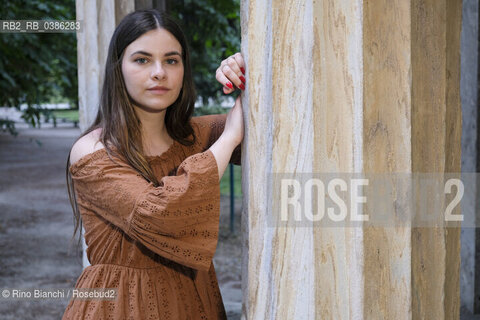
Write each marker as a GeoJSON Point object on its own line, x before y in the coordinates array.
{"type": "Point", "coordinates": [158, 90]}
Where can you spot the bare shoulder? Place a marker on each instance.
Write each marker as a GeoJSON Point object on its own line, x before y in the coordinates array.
{"type": "Point", "coordinates": [87, 144]}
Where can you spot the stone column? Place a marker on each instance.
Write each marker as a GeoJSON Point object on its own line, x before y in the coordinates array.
{"type": "Point", "coordinates": [99, 20]}
{"type": "Point", "coordinates": [352, 86]}
{"type": "Point", "coordinates": [469, 280]}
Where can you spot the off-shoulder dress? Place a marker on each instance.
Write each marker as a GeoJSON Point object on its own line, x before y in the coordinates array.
{"type": "Point", "coordinates": [154, 244]}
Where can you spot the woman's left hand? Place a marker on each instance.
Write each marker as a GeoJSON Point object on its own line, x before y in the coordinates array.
{"type": "Point", "coordinates": [232, 73]}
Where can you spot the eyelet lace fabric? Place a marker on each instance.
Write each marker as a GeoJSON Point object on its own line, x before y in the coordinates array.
{"type": "Point", "coordinates": [154, 244]}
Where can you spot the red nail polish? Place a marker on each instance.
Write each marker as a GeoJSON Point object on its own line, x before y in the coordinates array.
{"type": "Point", "coordinates": [243, 70]}
{"type": "Point", "coordinates": [242, 87]}
{"type": "Point", "coordinates": [229, 85]}
{"type": "Point", "coordinates": [242, 78]}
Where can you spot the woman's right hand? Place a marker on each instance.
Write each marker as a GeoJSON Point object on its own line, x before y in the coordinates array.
{"type": "Point", "coordinates": [234, 128]}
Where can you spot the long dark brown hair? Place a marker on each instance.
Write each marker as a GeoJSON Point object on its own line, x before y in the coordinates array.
{"type": "Point", "coordinates": [121, 128]}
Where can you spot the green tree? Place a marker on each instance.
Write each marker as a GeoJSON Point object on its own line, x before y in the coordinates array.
{"type": "Point", "coordinates": [212, 28]}
{"type": "Point", "coordinates": [37, 67]}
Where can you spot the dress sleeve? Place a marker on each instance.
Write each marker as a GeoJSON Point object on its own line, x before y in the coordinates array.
{"type": "Point", "coordinates": [214, 125]}
{"type": "Point", "coordinates": [178, 220]}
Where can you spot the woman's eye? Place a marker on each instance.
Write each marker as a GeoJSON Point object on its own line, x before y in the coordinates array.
{"type": "Point", "coordinates": [141, 60]}
{"type": "Point", "coordinates": [172, 61]}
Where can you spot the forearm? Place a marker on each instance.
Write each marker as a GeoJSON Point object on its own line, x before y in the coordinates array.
{"type": "Point", "coordinates": [222, 151]}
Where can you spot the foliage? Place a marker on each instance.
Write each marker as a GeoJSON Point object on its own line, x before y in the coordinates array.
{"type": "Point", "coordinates": [205, 110]}
{"type": "Point", "coordinates": [212, 28]}
{"type": "Point", "coordinates": [8, 125]}
{"type": "Point", "coordinates": [37, 67]}
{"type": "Point", "coordinates": [70, 115]}
{"type": "Point", "coordinates": [40, 68]}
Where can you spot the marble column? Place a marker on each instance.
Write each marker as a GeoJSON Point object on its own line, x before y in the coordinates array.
{"type": "Point", "coordinates": [353, 86]}
{"type": "Point", "coordinates": [469, 278]}
{"type": "Point", "coordinates": [99, 19]}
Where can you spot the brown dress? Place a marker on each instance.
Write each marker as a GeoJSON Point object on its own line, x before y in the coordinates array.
{"type": "Point", "coordinates": [155, 244]}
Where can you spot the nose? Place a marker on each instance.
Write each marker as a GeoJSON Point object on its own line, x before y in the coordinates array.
{"type": "Point", "coordinates": [158, 72]}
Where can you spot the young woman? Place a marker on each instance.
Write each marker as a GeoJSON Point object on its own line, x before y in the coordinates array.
{"type": "Point", "coordinates": [145, 179]}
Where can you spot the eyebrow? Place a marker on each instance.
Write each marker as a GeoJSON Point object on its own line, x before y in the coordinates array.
{"type": "Point", "coordinates": [168, 54]}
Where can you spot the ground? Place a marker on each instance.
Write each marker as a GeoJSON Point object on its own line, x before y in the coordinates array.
{"type": "Point", "coordinates": [36, 225]}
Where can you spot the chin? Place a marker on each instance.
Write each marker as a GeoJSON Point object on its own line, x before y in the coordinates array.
{"type": "Point", "coordinates": [152, 107]}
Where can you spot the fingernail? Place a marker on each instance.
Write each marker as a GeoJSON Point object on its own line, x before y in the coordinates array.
{"type": "Point", "coordinates": [242, 78]}
{"type": "Point", "coordinates": [242, 87]}
{"type": "Point", "coordinates": [243, 70]}
{"type": "Point", "coordinates": [229, 84]}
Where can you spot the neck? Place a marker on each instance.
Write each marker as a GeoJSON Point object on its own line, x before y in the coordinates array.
{"type": "Point", "coordinates": [154, 132]}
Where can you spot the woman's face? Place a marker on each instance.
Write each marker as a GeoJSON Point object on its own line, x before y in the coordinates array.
{"type": "Point", "coordinates": [153, 60]}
